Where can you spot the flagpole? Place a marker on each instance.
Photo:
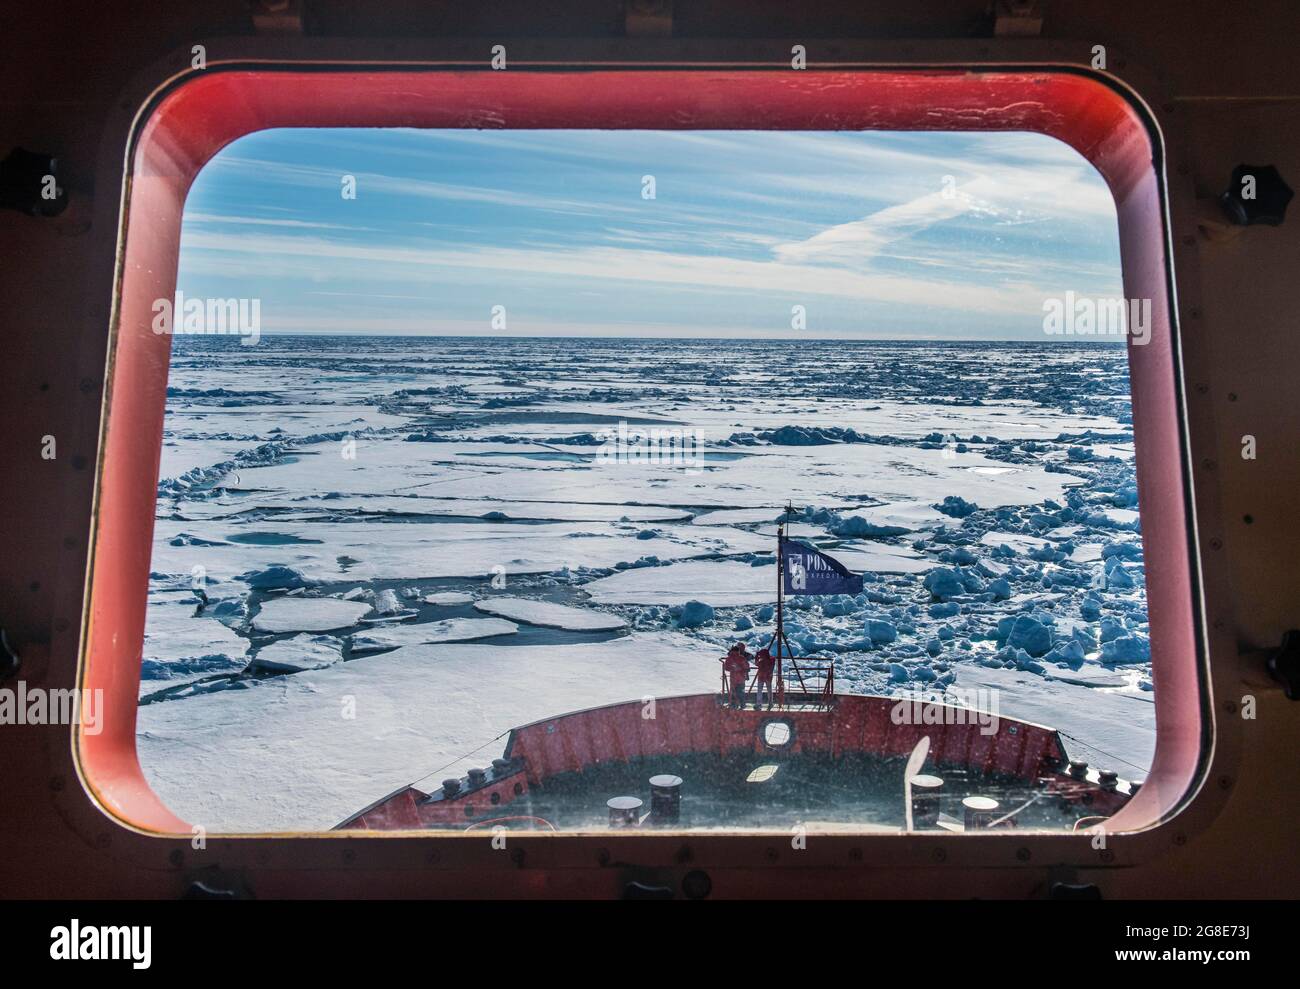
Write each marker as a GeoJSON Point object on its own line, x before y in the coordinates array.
{"type": "Point", "coordinates": [780, 603]}
{"type": "Point", "coordinates": [780, 598]}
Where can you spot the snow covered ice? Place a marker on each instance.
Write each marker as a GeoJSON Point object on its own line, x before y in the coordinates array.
{"type": "Point", "coordinates": [428, 525]}
{"type": "Point", "coordinates": [302, 652]}
{"type": "Point", "coordinates": [427, 633]}
{"type": "Point", "coordinates": [290, 614]}
{"type": "Point", "coordinates": [550, 615]}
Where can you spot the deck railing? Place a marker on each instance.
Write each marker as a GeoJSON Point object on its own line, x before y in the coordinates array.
{"type": "Point", "coordinates": [808, 681]}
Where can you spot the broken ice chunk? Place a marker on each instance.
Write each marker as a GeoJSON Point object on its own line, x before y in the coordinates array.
{"type": "Point", "coordinates": [550, 615]}
{"type": "Point", "coordinates": [448, 630]}
{"type": "Point", "coordinates": [308, 614]}
{"type": "Point", "coordinates": [302, 652]}
{"type": "Point", "coordinates": [448, 598]}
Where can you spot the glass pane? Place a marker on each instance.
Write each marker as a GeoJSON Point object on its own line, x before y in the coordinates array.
{"type": "Point", "coordinates": [508, 472]}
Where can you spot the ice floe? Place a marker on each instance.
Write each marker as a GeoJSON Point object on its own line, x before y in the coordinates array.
{"type": "Point", "coordinates": [550, 615]}
{"type": "Point", "coordinates": [181, 647]}
{"type": "Point", "coordinates": [722, 582]}
{"type": "Point", "coordinates": [446, 630]}
{"type": "Point", "coordinates": [302, 614]}
{"type": "Point", "coordinates": [449, 598]}
{"type": "Point", "coordinates": [301, 652]}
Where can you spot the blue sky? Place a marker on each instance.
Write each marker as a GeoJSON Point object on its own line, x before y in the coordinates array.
{"type": "Point", "coordinates": [877, 235]}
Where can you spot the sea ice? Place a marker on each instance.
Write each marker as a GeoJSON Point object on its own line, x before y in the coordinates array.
{"type": "Point", "coordinates": [693, 614]}
{"type": "Point", "coordinates": [550, 615]}
{"type": "Point", "coordinates": [1029, 634]}
{"type": "Point", "coordinates": [880, 630]}
{"type": "Point", "coordinates": [449, 598]}
{"type": "Point", "coordinates": [181, 648]}
{"type": "Point", "coordinates": [725, 583]}
{"type": "Point", "coordinates": [298, 614]}
{"type": "Point", "coordinates": [1091, 720]}
{"type": "Point", "coordinates": [273, 578]}
{"type": "Point", "coordinates": [470, 462]}
{"type": "Point", "coordinates": [302, 652]}
{"type": "Point", "coordinates": [447, 630]}
{"type": "Point", "coordinates": [944, 582]}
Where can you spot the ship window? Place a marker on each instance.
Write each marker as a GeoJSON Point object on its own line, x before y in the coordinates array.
{"type": "Point", "coordinates": [777, 734]}
{"type": "Point", "coordinates": [489, 409]}
{"type": "Point", "coordinates": [476, 433]}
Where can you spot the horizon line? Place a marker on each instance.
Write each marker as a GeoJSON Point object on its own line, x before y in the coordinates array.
{"type": "Point", "coordinates": [1052, 341]}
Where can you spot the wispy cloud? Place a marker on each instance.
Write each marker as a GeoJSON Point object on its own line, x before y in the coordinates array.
{"type": "Point", "coordinates": [370, 183]}
{"type": "Point", "coordinates": [212, 219]}
{"type": "Point", "coordinates": [967, 232]}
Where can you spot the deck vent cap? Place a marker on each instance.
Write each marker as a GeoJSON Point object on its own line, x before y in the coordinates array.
{"type": "Point", "coordinates": [623, 811]}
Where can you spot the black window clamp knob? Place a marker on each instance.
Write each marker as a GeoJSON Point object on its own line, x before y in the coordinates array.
{"type": "Point", "coordinates": [1256, 194]}
{"type": "Point", "coordinates": [28, 183]}
{"type": "Point", "coordinates": [1284, 664]}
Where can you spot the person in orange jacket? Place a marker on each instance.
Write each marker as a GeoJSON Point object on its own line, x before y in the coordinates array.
{"type": "Point", "coordinates": [766, 663]}
{"type": "Point", "coordinates": [736, 666]}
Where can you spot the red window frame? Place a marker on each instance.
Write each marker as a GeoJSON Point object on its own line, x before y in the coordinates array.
{"type": "Point", "coordinates": [193, 120]}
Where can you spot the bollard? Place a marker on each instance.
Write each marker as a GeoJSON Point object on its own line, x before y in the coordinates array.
{"type": "Point", "coordinates": [623, 811]}
{"type": "Point", "coordinates": [925, 800]}
{"type": "Point", "coordinates": [665, 798]}
{"type": "Point", "coordinates": [980, 812]}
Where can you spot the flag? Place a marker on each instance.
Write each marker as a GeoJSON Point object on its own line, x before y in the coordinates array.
{"type": "Point", "coordinates": [809, 571]}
